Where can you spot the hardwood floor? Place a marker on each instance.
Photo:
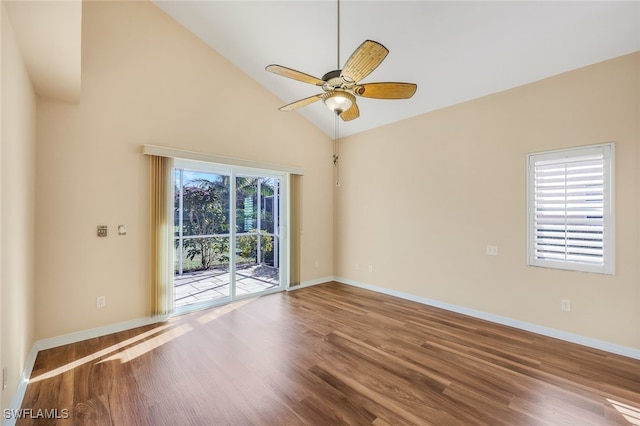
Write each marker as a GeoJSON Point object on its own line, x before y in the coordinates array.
{"type": "Point", "coordinates": [328, 355]}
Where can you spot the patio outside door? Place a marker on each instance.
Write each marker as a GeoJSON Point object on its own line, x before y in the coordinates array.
{"type": "Point", "coordinates": [214, 261]}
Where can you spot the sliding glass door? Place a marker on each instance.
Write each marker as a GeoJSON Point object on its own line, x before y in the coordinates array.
{"type": "Point", "coordinates": [214, 261]}
{"type": "Point", "coordinates": [257, 234]}
{"type": "Point", "coordinates": [202, 236]}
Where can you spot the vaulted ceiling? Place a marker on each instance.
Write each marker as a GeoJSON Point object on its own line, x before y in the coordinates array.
{"type": "Point", "coordinates": [454, 50]}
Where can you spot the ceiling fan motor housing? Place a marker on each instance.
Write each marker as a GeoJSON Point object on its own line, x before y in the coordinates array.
{"type": "Point", "coordinates": [335, 80]}
{"type": "Point", "coordinates": [332, 76]}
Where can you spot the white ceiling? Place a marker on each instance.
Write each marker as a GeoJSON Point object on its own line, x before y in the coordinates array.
{"type": "Point", "coordinates": [455, 51]}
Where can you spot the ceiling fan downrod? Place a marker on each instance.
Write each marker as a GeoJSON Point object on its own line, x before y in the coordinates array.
{"type": "Point", "coordinates": [338, 37]}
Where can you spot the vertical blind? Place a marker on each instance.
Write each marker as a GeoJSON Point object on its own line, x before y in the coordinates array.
{"type": "Point", "coordinates": [295, 196]}
{"type": "Point", "coordinates": [571, 219]}
{"type": "Point", "coordinates": [161, 233]}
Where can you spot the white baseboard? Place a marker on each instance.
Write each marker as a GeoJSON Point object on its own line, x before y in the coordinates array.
{"type": "Point", "coordinates": [534, 328]}
{"type": "Point", "coordinates": [79, 336]}
{"type": "Point", "coordinates": [16, 402]}
{"type": "Point", "coordinates": [310, 283]}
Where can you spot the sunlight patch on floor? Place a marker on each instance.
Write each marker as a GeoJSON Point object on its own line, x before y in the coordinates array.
{"type": "Point", "coordinates": [96, 355]}
{"type": "Point", "coordinates": [629, 412]}
{"type": "Point", "coordinates": [223, 310]}
{"type": "Point", "coordinates": [164, 334]}
{"type": "Point", "coordinates": [149, 345]}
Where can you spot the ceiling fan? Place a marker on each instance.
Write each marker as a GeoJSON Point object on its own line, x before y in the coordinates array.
{"type": "Point", "coordinates": [340, 87]}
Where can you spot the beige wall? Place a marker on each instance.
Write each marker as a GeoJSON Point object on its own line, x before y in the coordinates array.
{"type": "Point", "coordinates": [146, 80]}
{"type": "Point", "coordinates": [17, 175]}
{"type": "Point", "coordinates": [421, 199]}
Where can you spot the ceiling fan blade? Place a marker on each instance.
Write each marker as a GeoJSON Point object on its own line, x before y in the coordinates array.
{"type": "Point", "coordinates": [296, 75]}
{"type": "Point", "coordinates": [386, 90]}
{"type": "Point", "coordinates": [302, 102]}
{"type": "Point", "coordinates": [351, 114]}
{"type": "Point", "coordinates": [364, 60]}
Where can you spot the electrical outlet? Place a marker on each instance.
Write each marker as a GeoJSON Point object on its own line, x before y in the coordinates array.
{"type": "Point", "coordinates": [492, 250]}
{"type": "Point", "coordinates": [5, 377]}
{"type": "Point", "coordinates": [565, 305]}
{"type": "Point", "coordinates": [101, 302]}
{"type": "Point", "coordinates": [370, 268]}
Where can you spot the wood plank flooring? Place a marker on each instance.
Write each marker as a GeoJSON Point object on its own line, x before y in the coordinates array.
{"type": "Point", "coordinates": [330, 355]}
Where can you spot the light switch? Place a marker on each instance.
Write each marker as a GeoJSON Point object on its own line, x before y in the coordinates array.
{"type": "Point", "coordinates": [102, 231]}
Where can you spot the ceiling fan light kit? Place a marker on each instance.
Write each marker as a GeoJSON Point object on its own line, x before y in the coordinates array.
{"type": "Point", "coordinates": [338, 101]}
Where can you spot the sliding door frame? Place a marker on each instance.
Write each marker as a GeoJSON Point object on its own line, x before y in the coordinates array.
{"type": "Point", "coordinates": [234, 171]}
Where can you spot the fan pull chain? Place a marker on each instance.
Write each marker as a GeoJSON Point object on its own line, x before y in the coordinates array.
{"type": "Point", "coordinates": [336, 151]}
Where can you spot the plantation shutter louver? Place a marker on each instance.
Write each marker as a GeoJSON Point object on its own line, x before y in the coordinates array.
{"type": "Point", "coordinates": [570, 209]}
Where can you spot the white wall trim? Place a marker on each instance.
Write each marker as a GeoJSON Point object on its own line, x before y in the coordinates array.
{"type": "Point", "coordinates": [210, 158]}
{"type": "Point", "coordinates": [79, 336]}
{"type": "Point", "coordinates": [522, 325]}
{"type": "Point", "coordinates": [313, 282]}
{"type": "Point", "coordinates": [18, 397]}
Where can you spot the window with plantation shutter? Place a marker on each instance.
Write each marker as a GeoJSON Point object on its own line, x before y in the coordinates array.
{"type": "Point", "coordinates": [570, 209]}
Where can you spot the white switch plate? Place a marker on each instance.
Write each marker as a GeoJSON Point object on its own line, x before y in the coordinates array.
{"type": "Point", "coordinates": [101, 301]}
{"type": "Point", "coordinates": [492, 250]}
{"type": "Point", "coordinates": [565, 305]}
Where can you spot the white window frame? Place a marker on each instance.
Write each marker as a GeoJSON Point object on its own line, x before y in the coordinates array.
{"type": "Point", "coordinates": [566, 156]}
